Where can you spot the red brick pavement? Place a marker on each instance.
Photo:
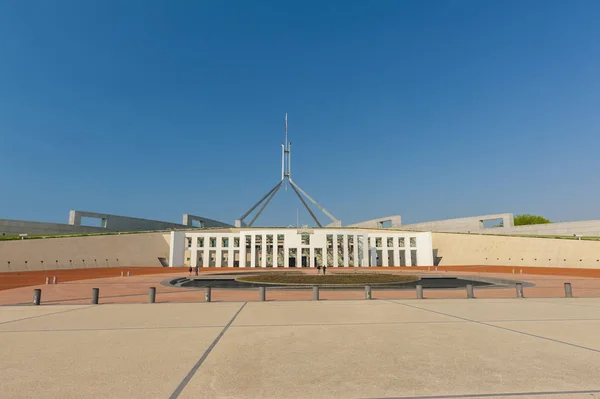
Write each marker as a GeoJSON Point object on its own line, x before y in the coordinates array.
{"type": "Point", "coordinates": [134, 289]}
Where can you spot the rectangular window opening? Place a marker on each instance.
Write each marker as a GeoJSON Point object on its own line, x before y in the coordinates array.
{"type": "Point", "coordinates": [492, 223]}
{"type": "Point", "coordinates": [198, 223]}
{"type": "Point", "coordinates": [93, 222]}
{"type": "Point", "coordinates": [385, 224]}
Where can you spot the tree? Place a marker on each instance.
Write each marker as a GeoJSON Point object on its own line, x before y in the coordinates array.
{"type": "Point", "coordinates": [526, 219]}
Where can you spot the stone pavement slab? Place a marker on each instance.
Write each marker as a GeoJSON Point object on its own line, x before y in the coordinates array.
{"type": "Point", "coordinates": [374, 361]}
{"type": "Point", "coordinates": [508, 309]}
{"type": "Point", "coordinates": [105, 317]}
{"type": "Point", "coordinates": [13, 313]}
{"type": "Point", "coordinates": [332, 312]}
{"type": "Point", "coordinates": [576, 332]}
{"type": "Point", "coordinates": [328, 349]}
{"type": "Point", "coordinates": [99, 364]}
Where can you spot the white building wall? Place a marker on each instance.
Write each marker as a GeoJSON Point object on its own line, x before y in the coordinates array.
{"type": "Point", "coordinates": [177, 249]}
{"type": "Point", "coordinates": [293, 240]}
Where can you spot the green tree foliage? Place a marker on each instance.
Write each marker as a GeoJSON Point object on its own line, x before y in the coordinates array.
{"type": "Point", "coordinates": [525, 219]}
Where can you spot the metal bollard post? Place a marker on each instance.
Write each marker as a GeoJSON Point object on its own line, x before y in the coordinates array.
{"type": "Point", "coordinates": [470, 294]}
{"type": "Point", "coordinates": [128, 273]}
{"type": "Point", "coordinates": [419, 291]}
{"type": "Point", "coordinates": [95, 295]}
{"type": "Point", "coordinates": [55, 280]}
{"type": "Point", "coordinates": [315, 293]}
{"type": "Point", "coordinates": [519, 290]}
{"type": "Point", "coordinates": [152, 295]}
{"type": "Point", "coordinates": [262, 293]}
{"type": "Point", "coordinates": [47, 280]}
{"type": "Point", "coordinates": [37, 296]}
{"type": "Point", "coordinates": [368, 292]}
{"type": "Point", "coordinates": [568, 290]}
{"type": "Point", "coordinates": [207, 294]}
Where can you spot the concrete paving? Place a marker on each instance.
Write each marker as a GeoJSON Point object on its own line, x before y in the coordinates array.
{"type": "Point", "coordinates": [487, 348]}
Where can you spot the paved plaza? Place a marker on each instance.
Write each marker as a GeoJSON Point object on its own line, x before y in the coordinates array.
{"type": "Point", "coordinates": [302, 349]}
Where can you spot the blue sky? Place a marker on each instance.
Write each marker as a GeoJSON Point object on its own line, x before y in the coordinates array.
{"type": "Point", "coordinates": [427, 109]}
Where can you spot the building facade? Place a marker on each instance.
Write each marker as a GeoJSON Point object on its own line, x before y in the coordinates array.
{"type": "Point", "coordinates": [292, 247]}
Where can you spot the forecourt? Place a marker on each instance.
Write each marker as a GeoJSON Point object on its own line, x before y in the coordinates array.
{"type": "Point", "coordinates": [303, 349]}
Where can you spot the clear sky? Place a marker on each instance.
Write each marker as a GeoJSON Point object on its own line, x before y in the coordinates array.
{"type": "Point", "coordinates": [427, 109]}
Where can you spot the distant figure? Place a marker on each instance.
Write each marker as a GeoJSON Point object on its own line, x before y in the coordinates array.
{"type": "Point", "coordinates": [324, 269]}
{"type": "Point", "coordinates": [190, 270]}
{"type": "Point", "coordinates": [196, 270]}
{"type": "Point", "coordinates": [318, 269]}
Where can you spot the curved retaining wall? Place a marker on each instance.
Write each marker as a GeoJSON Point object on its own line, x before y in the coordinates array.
{"type": "Point", "coordinates": [470, 249]}
{"type": "Point", "coordinates": [83, 252]}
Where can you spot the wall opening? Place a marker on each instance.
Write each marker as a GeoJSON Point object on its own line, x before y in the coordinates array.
{"type": "Point", "coordinates": [198, 223]}
{"type": "Point", "coordinates": [93, 222]}
{"type": "Point", "coordinates": [318, 257]}
{"type": "Point", "coordinates": [385, 224]}
{"type": "Point", "coordinates": [402, 258]}
{"type": "Point", "coordinates": [491, 223]}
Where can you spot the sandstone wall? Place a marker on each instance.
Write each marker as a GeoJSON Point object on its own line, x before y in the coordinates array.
{"type": "Point", "coordinates": [474, 249]}
{"type": "Point", "coordinates": [83, 252]}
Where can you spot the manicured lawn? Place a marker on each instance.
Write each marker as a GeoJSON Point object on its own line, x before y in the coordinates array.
{"type": "Point", "coordinates": [342, 278]}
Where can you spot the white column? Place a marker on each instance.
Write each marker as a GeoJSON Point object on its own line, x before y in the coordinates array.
{"type": "Point", "coordinates": [365, 250]}
{"type": "Point", "coordinates": [396, 252]}
{"type": "Point", "coordinates": [177, 250]}
{"type": "Point", "coordinates": [311, 256]}
{"type": "Point", "coordinates": [335, 251]}
{"type": "Point", "coordinates": [205, 256]}
{"type": "Point", "coordinates": [194, 253]}
{"type": "Point", "coordinates": [263, 262]}
{"type": "Point", "coordinates": [384, 252]}
{"type": "Point", "coordinates": [355, 250]}
{"type": "Point", "coordinates": [286, 254]}
{"type": "Point", "coordinates": [219, 256]}
{"type": "Point", "coordinates": [252, 250]}
{"type": "Point", "coordinates": [407, 257]}
{"type": "Point", "coordinates": [424, 250]}
{"type": "Point", "coordinates": [242, 250]}
{"type": "Point", "coordinates": [230, 257]}
{"type": "Point", "coordinates": [345, 243]}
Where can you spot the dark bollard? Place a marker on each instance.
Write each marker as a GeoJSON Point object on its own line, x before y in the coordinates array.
{"type": "Point", "coordinates": [207, 294]}
{"type": "Point", "coordinates": [519, 290]}
{"type": "Point", "coordinates": [419, 291]}
{"type": "Point", "coordinates": [37, 296]}
{"type": "Point", "coordinates": [263, 293]}
{"type": "Point", "coordinates": [152, 295]}
{"type": "Point", "coordinates": [470, 294]}
{"type": "Point", "coordinates": [368, 292]}
{"type": "Point", "coordinates": [95, 295]}
{"type": "Point", "coordinates": [55, 280]}
{"type": "Point", "coordinates": [568, 290]}
{"type": "Point", "coordinates": [315, 293]}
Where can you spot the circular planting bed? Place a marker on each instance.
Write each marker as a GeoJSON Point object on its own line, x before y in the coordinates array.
{"type": "Point", "coordinates": [333, 279]}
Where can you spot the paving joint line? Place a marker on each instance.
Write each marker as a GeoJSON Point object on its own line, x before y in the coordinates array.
{"type": "Point", "coordinates": [503, 328]}
{"type": "Point", "coordinates": [567, 303]}
{"type": "Point", "coordinates": [493, 395]}
{"type": "Point", "coordinates": [46, 314]}
{"type": "Point", "coordinates": [207, 352]}
{"type": "Point", "coordinates": [107, 329]}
